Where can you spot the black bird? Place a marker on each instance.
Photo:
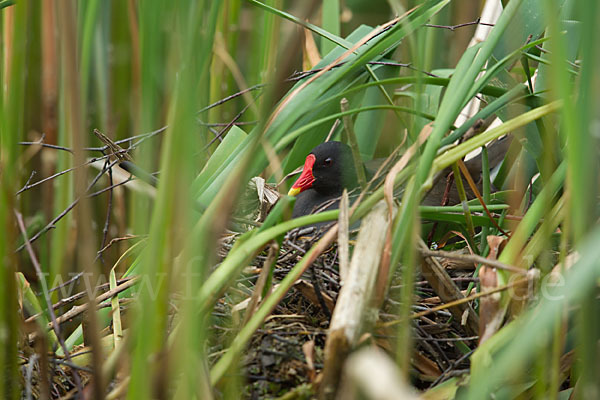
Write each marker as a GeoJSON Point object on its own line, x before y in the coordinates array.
{"type": "Point", "coordinates": [328, 169]}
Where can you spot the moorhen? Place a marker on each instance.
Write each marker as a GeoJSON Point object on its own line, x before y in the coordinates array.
{"type": "Point", "coordinates": [328, 170]}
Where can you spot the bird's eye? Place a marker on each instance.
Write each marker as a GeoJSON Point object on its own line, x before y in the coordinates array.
{"type": "Point", "coordinates": [327, 161]}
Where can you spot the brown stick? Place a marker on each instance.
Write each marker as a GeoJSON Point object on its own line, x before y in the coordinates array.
{"type": "Point", "coordinates": [443, 285]}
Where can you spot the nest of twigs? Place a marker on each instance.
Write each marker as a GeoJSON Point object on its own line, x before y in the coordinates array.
{"type": "Point", "coordinates": [288, 351]}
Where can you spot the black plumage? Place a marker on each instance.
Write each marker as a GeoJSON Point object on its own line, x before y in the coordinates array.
{"type": "Point", "coordinates": [329, 168]}
{"type": "Point", "coordinates": [332, 170]}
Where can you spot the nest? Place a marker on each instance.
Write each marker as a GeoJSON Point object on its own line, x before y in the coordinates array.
{"type": "Point", "coordinates": [287, 353]}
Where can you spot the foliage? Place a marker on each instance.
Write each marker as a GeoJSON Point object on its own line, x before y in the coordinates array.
{"type": "Point", "coordinates": [205, 93]}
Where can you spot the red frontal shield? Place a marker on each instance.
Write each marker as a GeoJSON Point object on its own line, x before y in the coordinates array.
{"type": "Point", "coordinates": [306, 178]}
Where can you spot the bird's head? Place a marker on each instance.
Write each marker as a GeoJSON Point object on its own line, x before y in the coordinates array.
{"type": "Point", "coordinates": [328, 169]}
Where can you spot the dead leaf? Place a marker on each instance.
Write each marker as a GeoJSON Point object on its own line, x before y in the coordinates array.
{"type": "Point", "coordinates": [491, 314]}
{"type": "Point", "coordinates": [310, 53]}
{"type": "Point", "coordinates": [308, 291]}
{"type": "Point", "coordinates": [308, 348]}
{"type": "Point", "coordinates": [425, 365]}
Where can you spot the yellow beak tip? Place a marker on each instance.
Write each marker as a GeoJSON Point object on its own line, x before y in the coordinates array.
{"type": "Point", "coordinates": [293, 191]}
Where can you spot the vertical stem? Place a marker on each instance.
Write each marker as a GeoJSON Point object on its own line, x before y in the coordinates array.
{"type": "Point", "coordinates": [463, 199]}
{"type": "Point", "coordinates": [74, 120]}
{"type": "Point", "coordinates": [353, 142]}
{"type": "Point", "coordinates": [12, 105]}
{"type": "Point", "coordinates": [485, 169]}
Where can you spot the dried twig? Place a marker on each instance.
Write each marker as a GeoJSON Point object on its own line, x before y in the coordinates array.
{"type": "Point", "coordinates": [75, 311]}
{"type": "Point", "coordinates": [472, 258]}
{"type": "Point", "coordinates": [454, 27]}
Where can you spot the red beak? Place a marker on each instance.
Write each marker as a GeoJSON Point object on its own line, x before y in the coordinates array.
{"type": "Point", "coordinates": [306, 178]}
